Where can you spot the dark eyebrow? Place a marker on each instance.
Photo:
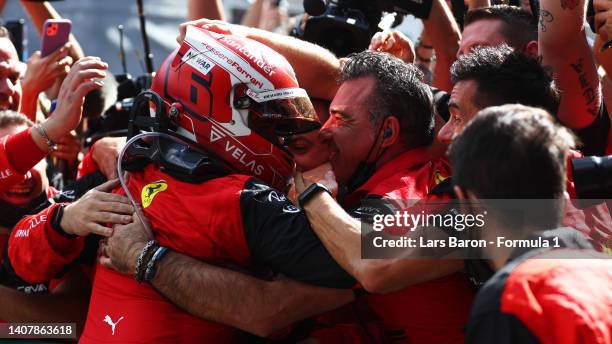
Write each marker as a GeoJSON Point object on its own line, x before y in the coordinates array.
{"type": "Point", "coordinates": [340, 112]}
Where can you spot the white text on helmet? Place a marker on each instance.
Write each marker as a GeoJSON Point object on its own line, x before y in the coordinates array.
{"type": "Point", "coordinates": [234, 64]}
{"type": "Point", "coordinates": [240, 155]}
{"type": "Point", "coordinates": [263, 65]}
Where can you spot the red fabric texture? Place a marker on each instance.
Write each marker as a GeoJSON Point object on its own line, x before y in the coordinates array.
{"type": "Point", "coordinates": [8, 175]}
{"type": "Point", "coordinates": [430, 312]}
{"type": "Point", "coordinates": [562, 300]}
{"type": "Point", "coordinates": [22, 151]}
{"type": "Point", "coordinates": [88, 165]}
{"type": "Point", "coordinates": [200, 220]}
{"type": "Point", "coordinates": [37, 251]}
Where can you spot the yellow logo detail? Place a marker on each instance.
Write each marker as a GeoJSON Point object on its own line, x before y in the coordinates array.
{"type": "Point", "coordinates": [607, 246]}
{"type": "Point", "coordinates": [438, 177]}
{"type": "Point", "coordinates": [150, 190]}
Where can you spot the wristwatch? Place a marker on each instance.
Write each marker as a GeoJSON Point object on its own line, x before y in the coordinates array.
{"type": "Point", "coordinates": [310, 192]}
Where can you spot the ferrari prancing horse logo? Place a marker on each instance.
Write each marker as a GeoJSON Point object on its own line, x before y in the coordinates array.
{"type": "Point", "coordinates": [150, 190]}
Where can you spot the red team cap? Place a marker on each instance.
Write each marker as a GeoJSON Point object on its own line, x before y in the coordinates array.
{"type": "Point", "coordinates": [234, 97]}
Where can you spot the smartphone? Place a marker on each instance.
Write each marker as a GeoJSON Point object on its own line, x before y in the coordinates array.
{"type": "Point", "coordinates": [56, 33]}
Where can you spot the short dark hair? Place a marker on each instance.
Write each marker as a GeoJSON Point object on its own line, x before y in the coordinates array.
{"type": "Point", "coordinates": [514, 152]}
{"type": "Point", "coordinates": [10, 117]}
{"type": "Point", "coordinates": [506, 76]}
{"type": "Point", "coordinates": [519, 26]}
{"type": "Point", "coordinates": [399, 92]}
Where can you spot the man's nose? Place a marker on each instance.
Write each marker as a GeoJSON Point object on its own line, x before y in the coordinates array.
{"type": "Point", "coordinates": [446, 133]}
{"type": "Point", "coordinates": [325, 133]}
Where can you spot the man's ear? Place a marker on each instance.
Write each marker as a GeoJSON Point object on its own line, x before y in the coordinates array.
{"type": "Point", "coordinates": [390, 131]}
{"type": "Point", "coordinates": [532, 49]}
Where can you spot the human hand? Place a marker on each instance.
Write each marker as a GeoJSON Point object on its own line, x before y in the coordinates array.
{"type": "Point", "coordinates": [42, 72]}
{"type": "Point", "coordinates": [80, 80]}
{"type": "Point", "coordinates": [394, 43]}
{"type": "Point", "coordinates": [120, 252]}
{"type": "Point", "coordinates": [603, 19]}
{"type": "Point", "coordinates": [97, 208]}
{"type": "Point", "coordinates": [322, 174]}
{"type": "Point", "coordinates": [68, 147]}
{"type": "Point", "coordinates": [105, 153]}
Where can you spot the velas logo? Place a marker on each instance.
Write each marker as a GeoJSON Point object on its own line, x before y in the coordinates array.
{"type": "Point", "coordinates": [150, 190]}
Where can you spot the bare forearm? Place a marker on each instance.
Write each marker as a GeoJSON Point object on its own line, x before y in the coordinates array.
{"type": "Point", "coordinates": [564, 48]}
{"type": "Point", "coordinates": [315, 67]}
{"type": "Point", "coordinates": [239, 300]}
{"type": "Point", "coordinates": [251, 17]}
{"type": "Point", "coordinates": [340, 234]}
{"type": "Point", "coordinates": [29, 104]}
{"type": "Point", "coordinates": [444, 33]}
{"type": "Point", "coordinates": [210, 9]}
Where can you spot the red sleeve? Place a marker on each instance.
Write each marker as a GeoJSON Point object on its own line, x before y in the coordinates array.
{"type": "Point", "coordinates": [36, 251]}
{"type": "Point", "coordinates": [23, 152]}
{"type": "Point", "coordinates": [8, 175]}
{"type": "Point", "coordinates": [88, 165]}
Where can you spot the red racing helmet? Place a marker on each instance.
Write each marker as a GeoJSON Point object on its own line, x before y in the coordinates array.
{"type": "Point", "coordinates": [233, 97]}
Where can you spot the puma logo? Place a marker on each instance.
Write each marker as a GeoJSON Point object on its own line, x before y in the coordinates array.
{"type": "Point", "coordinates": [108, 320]}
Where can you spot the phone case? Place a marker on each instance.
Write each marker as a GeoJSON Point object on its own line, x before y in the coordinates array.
{"type": "Point", "coordinates": [55, 34]}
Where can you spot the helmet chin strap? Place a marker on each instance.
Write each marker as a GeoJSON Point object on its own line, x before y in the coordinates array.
{"type": "Point", "coordinates": [365, 169]}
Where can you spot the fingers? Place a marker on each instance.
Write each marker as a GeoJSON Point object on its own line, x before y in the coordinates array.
{"type": "Point", "coordinates": [299, 181]}
{"type": "Point", "coordinates": [96, 228]}
{"type": "Point", "coordinates": [58, 54]}
{"type": "Point", "coordinates": [108, 186]}
{"type": "Point", "coordinates": [217, 26]}
{"type": "Point", "coordinates": [183, 28]}
{"type": "Point", "coordinates": [112, 198]}
{"type": "Point", "coordinates": [601, 18]}
{"type": "Point", "coordinates": [87, 63]}
{"type": "Point", "coordinates": [118, 208]}
{"type": "Point", "coordinates": [378, 40]}
{"type": "Point", "coordinates": [107, 217]}
{"type": "Point", "coordinates": [87, 87]}
{"type": "Point", "coordinates": [62, 67]}
{"type": "Point", "coordinates": [182, 32]}
{"type": "Point", "coordinates": [68, 148]}
{"type": "Point", "coordinates": [107, 263]}
{"type": "Point", "coordinates": [80, 77]}
{"type": "Point", "coordinates": [602, 5]}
